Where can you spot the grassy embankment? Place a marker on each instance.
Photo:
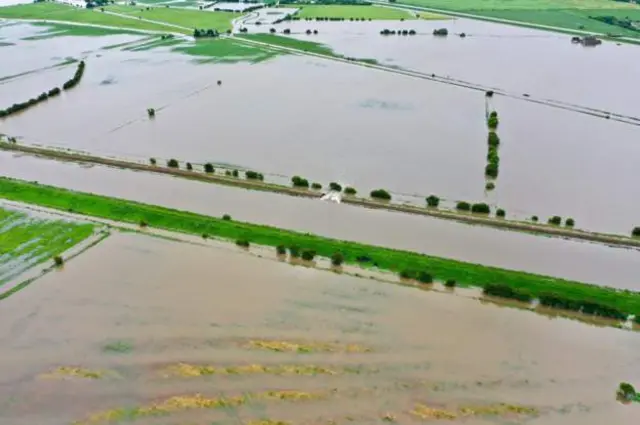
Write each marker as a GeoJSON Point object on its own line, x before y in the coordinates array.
{"type": "Point", "coordinates": [349, 12]}
{"type": "Point", "coordinates": [385, 258]}
{"type": "Point", "coordinates": [64, 13]}
{"type": "Point", "coordinates": [27, 241]}
{"type": "Point", "coordinates": [571, 15]}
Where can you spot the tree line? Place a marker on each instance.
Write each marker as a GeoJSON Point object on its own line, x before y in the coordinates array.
{"type": "Point", "coordinates": [69, 84]}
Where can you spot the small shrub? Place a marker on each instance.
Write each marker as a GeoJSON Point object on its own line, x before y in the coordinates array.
{"type": "Point", "coordinates": [636, 233]}
{"type": "Point", "coordinates": [490, 186]}
{"type": "Point", "coordinates": [555, 220]}
{"type": "Point", "coordinates": [281, 250]}
{"type": "Point", "coordinates": [491, 170]}
{"type": "Point", "coordinates": [433, 201]}
{"type": "Point", "coordinates": [235, 173]}
{"type": "Point", "coordinates": [626, 391]}
{"type": "Point", "coordinates": [337, 259]}
{"type": "Point", "coordinates": [424, 277]}
{"type": "Point", "coordinates": [480, 208]}
{"type": "Point", "coordinates": [205, 236]}
{"type": "Point", "coordinates": [316, 186]}
{"type": "Point", "coordinates": [506, 291]}
{"type": "Point", "coordinates": [500, 213]}
{"type": "Point", "coordinates": [298, 181]}
{"type": "Point", "coordinates": [173, 163]}
{"type": "Point", "coordinates": [534, 218]}
{"type": "Point", "coordinates": [450, 283]}
{"type": "Point", "coordinates": [407, 274]}
{"type": "Point", "coordinates": [189, 166]}
{"type": "Point", "coordinates": [227, 173]}
{"type": "Point", "coordinates": [152, 161]}
{"type": "Point", "coordinates": [463, 206]}
{"type": "Point", "coordinates": [294, 251]}
{"type": "Point", "coordinates": [493, 140]}
{"type": "Point", "coordinates": [335, 187]}
{"type": "Point", "coordinates": [208, 168]}
{"type": "Point", "coordinates": [58, 261]}
{"type": "Point", "coordinates": [380, 194]}
{"type": "Point", "coordinates": [253, 175]}
{"type": "Point", "coordinates": [226, 217]}
{"type": "Point", "coordinates": [143, 223]}
{"type": "Point", "coordinates": [308, 255]}
{"type": "Point", "coordinates": [350, 191]}
{"type": "Point", "coordinates": [242, 243]}
{"type": "Point", "coordinates": [569, 222]}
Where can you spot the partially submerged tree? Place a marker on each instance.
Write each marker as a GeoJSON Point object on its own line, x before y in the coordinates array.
{"type": "Point", "coordinates": [463, 206]}
{"type": "Point", "coordinates": [349, 191]}
{"type": "Point", "coordinates": [208, 168]}
{"type": "Point", "coordinates": [337, 259]}
{"type": "Point", "coordinates": [380, 194]}
{"type": "Point", "coordinates": [173, 163]}
{"type": "Point", "coordinates": [555, 220]}
{"type": "Point", "coordinates": [433, 201]}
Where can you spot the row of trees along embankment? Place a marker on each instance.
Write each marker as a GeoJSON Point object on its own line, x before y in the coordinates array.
{"type": "Point", "coordinates": [571, 295]}
{"type": "Point", "coordinates": [19, 107]}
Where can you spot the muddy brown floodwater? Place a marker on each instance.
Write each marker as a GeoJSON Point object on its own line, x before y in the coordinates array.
{"type": "Point", "coordinates": [331, 121]}
{"type": "Point", "coordinates": [582, 261]}
{"type": "Point", "coordinates": [173, 329]}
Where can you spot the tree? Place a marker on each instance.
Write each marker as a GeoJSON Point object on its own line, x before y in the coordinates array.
{"type": "Point", "coordinates": [534, 218]}
{"type": "Point", "coordinates": [433, 201]}
{"type": "Point", "coordinates": [406, 274]}
{"type": "Point", "coordinates": [151, 112]}
{"type": "Point", "coordinates": [316, 186]}
{"type": "Point", "coordinates": [555, 220]}
{"type": "Point", "coordinates": [235, 173]}
{"type": "Point", "coordinates": [480, 208]}
{"type": "Point", "coordinates": [287, 31]}
{"type": "Point", "coordinates": [152, 161]}
{"type": "Point", "coordinates": [380, 194]}
{"type": "Point", "coordinates": [335, 187]}
{"type": "Point", "coordinates": [272, 30]}
{"type": "Point", "coordinates": [58, 261]}
{"type": "Point", "coordinates": [308, 32]}
{"type": "Point", "coordinates": [308, 255]}
{"type": "Point", "coordinates": [635, 232]}
{"type": "Point", "coordinates": [208, 168]}
{"type": "Point", "coordinates": [226, 217]}
{"type": "Point", "coordinates": [294, 251]}
{"type": "Point", "coordinates": [493, 139]}
{"type": "Point", "coordinates": [490, 186]}
{"type": "Point", "coordinates": [626, 391]}
{"type": "Point", "coordinates": [349, 191]}
{"type": "Point", "coordinates": [253, 175]}
{"type": "Point", "coordinates": [424, 277]}
{"type": "Point", "coordinates": [281, 250]}
{"type": "Point", "coordinates": [463, 206]}
{"type": "Point", "coordinates": [189, 166]}
{"type": "Point", "coordinates": [298, 181]}
{"type": "Point", "coordinates": [450, 283]}
{"type": "Point", "coordinates": [173, 163]}
{"type": "Point", "coordinates": [143, 223]}
{"type": "Point", "coordinates": [569, 222]}
{"type": "Point", "coordinates": [337, 259]}
{"type": "Point", "coordinates": [500, 213]}
{"type": "Point", "coordinates": [491, 170]}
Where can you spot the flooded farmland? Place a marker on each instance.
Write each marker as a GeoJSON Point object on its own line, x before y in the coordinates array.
{"type": "Point", "coordinates": [377, 129]}
{"type": "Point", "coordinates": [581, 261]}
{"type": "Point", "coordinates": [161, 332]}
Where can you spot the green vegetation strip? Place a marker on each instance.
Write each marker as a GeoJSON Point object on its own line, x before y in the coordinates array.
{"type": "Point", "coordinates": [388, 259]}
{"type": "Point", "coordinates": [352, 11]}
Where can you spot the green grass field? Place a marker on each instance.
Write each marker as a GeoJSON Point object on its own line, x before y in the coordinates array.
{"type": "Point", "coordinates": [186, 18]}
{"type": "Point", "coordinates": [60, 12]}
{"type": "Point", "coordinates": [226, 50]}
{"type": "Point", "coordinates": [571, 15]}
{"type": "Point", "coordinates": [27, 241]}
{"type": "Point", "coordinates": [388, 259]}
{"type": "Point", "coordinates": [367, 12]}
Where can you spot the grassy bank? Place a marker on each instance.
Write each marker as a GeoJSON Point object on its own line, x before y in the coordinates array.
{"type": "Point", "coordinates": [65, 13]}
{"type": "Point", "coordinates": [385, 258]}
{"type": "Point", "coordinates": [349, 12]}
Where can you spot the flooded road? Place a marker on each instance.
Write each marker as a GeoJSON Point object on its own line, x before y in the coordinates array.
{"type": "Point", "coordinates": [329, 121]}
{"type": "Point", "coordinates": [132, 322]}
{"type": "Point", "coordinates": [537, 254]}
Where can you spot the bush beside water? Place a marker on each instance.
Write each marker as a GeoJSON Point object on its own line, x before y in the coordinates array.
{"type": "Point", "coordinates": [380, 194]}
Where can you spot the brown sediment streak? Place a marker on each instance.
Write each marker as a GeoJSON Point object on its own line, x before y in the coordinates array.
{"type": "Point", "coordinates": [469, 218]}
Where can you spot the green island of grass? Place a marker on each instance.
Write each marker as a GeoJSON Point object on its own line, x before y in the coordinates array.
{"type": "Point", "coordinates": [27, 241]}
{"type": "Point", "coordinates": [56, 12]}
{"type": "Point", "coordinates": [622, 301]}
{"type": "Point", "coordinates": [352, 11]}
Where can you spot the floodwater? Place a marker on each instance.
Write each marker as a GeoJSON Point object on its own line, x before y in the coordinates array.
{"type": "Point", "coordinates": [330, 121]}
{"type": "Point", "coordinates": [134, 305]}
{"type": "Point", "coordinates": [582, 261]}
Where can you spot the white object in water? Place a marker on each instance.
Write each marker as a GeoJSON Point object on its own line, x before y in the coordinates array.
{"type": "Point", "coordinates": [332, 197]}
{"type": "Point", "coordinates": [628, 324]}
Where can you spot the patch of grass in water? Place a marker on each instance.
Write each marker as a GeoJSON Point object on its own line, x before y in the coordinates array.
{"type": "Point", "coordinates": [194, 402]}
{"type": "Point", "coordinates": [77, 372]}
{"type": "Point", "coordinates": [118, 347]}
{"type": "Point", "coordinates": [189, 370]}
{"type": "Point", "coordinates": [227, 51]}
{"type": "Point", "coordinates": [501, 409]}
{"type": "Point", "coordinates": [305, 347]}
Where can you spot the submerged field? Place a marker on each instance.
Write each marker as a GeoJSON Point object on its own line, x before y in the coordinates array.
{"type": "Point", "coordinates": [245, 340]}
{"type": "Point", "coordinates": [26, 241]}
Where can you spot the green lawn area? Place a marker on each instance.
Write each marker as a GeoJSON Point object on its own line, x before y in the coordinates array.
{"type": "Point", "coordinates": [226, 50]}
{"type": "Point", "coordinates": [367, 12]}
{"type": "Point", "coordinates": [184, 17]}
{"type": "Point", "coordinates": [27, 241]}
{"type": "Point", "coordinates": [388, 259]}
{"type": "Point", "coordinates": [60, 12]}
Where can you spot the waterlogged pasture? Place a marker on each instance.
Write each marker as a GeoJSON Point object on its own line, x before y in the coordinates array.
{"type": "Point", "coordinates": [200, 334]}
{"type": "Point", "coordinates": [26, 241]}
